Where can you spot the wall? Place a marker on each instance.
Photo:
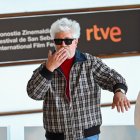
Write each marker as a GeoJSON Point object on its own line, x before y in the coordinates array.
{"type": "Point", "coordinates": [16, 6]}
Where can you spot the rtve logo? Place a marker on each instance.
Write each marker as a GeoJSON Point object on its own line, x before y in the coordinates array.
{"type": "Point", "coordinates": [112, 33]}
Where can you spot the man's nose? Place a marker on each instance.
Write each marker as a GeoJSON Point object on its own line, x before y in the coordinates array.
{"type": "Point", "coordinates": [63, 43]}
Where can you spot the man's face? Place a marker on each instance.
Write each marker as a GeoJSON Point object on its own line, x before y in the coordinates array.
{"type": "Point", "coordinates": [65, 39]}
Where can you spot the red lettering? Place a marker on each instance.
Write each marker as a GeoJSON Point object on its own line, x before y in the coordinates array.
{"type": "Point", "coordinates": [105, 33]}
{"type": "Point", "coordinates": [113, 33]}
{"type": "Point", "coordinates": [96, 30]}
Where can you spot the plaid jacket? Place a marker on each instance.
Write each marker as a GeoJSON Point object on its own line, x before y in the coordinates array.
{"type": "Point", "coordinates": [87, 76]}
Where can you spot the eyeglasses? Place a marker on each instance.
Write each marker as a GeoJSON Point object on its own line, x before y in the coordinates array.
{"type": "Point", "coordinates": [68, 41]}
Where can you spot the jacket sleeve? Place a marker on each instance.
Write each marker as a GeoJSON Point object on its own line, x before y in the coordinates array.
{"type": "Point", "coordinates": [39, 83]}
{"type": "Point", "coordinates": [106, 77]}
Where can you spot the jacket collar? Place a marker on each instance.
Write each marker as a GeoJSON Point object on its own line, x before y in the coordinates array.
{"type": "Point", "coordinates": [79, 57]}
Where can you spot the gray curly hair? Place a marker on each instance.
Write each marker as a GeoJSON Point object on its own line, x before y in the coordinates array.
{"type": "Point", "coordinates": [65, 25]}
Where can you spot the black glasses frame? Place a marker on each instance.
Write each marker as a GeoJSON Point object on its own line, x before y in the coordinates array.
{"type": "Point", "coordinates": [68, 41]}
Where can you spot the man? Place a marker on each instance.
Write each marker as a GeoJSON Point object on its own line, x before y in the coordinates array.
{"type": "Point", "coordinates": [69, 82]}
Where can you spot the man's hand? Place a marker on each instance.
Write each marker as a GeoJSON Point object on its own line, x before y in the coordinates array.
{"type": "Point", "coordinates": [121, 102]}
{"type": "Point", "coordinates": [56, 59]}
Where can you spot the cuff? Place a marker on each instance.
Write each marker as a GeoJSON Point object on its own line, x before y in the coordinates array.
{"type": "Point", "coordinates": [120, 86]}
{"type": "Point", "coordinates": [46, 73]}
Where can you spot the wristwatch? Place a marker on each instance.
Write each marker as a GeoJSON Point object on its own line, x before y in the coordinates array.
{"type": "Point", "coordinates": [120, 90]}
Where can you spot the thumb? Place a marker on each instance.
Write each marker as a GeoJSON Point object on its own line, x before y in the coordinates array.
{"type": "Point", "coordinates": [49, 53]}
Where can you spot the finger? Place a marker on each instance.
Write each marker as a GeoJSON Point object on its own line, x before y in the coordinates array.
{"type": "Point", "coordinates": [60, 53]}
{"type": "Point", "coordinates": [49, 53]}
{"type": "Point", "coordinates": [113, 105]}
{"type": "Point", "coordinates": [117, 104]}
{"type": "Point", "coordinates": [127, 105]}
{"type": "Point", "coordinates": [63, 58]}
{"type": "Point", "coordinates": [118, 108]}
{"type": "Point", "coordinates": [121, 106]}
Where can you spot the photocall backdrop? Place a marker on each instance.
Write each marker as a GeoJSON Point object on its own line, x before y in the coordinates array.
{"type": "Point", "coordinates": [27, 38]}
